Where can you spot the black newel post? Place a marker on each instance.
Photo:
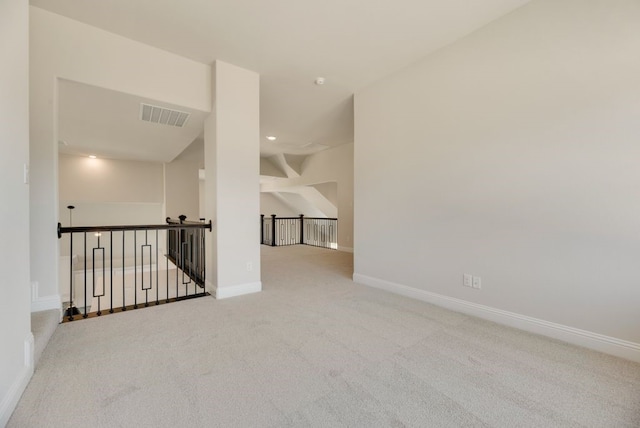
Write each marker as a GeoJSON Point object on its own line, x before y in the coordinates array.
{"type": "Point", "coordinates": [301, 229]}
{"type": "Point", "coordinates": [182, 218]}
{"type": "Point", "coordinates": [261, 229]}
{"type": "Point", "coordinates": [273, 230]}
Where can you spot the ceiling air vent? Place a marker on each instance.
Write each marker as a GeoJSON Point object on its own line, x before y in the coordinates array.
{"type": "Point", "coordinates": [163, 116]}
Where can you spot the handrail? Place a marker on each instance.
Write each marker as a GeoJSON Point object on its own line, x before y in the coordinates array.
{"type": "Point", "coordinates": [306, 218]}
{"type": "Point", "coordinates": [186, 225]}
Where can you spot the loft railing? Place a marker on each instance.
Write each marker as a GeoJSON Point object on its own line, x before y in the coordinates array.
{"type": "Point", "coordinates": [185, 249]}
{"type": "Point", "coordinates": [316, 231]}
{"type": "Point", "coordinates": [116, 268]}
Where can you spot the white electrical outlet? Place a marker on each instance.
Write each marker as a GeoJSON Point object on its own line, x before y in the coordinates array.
{"type": "Point", "coordinates": [477, 282]}
{"type": "Point", "coordinates": [249, 266]}
{"type": "Point", "coordinates": [467, 280]}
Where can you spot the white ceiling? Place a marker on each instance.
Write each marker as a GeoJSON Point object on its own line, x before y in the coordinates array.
{"type": "Point", "coordinates": [106, 123]}
{"type": "Point", "coordinates": [291, 42]}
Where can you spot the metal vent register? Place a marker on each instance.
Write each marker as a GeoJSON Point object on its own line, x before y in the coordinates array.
{"type": "Point", "coordinates": [163, 116]}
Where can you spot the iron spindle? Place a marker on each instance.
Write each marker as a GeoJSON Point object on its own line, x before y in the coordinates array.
{"type": "Point", "coordinates": [135, 269]}
{"type": "Point", "coordinates": [157, 272]}
{"type": "Point", "coordinates": [85, 275]}
{"type": "Point", "coordinates": [111, 270]}
{"type": "Point", "coordinates": [124, 307]}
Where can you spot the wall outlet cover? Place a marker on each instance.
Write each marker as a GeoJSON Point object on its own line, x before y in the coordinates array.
{"type": "Point", "coordinates": [467, 280]}
{"type": "Point", "coordinates": [477, 282]}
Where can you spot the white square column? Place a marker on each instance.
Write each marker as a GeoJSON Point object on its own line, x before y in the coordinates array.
{"type": "Point", "coordinates": [232, 182]}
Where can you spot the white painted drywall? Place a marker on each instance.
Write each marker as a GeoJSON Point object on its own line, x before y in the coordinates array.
{"type": "Point", "coordinates": [109, 180]}
{"type": "Point", "coordinates": [232, 183]}
{"type": "Point", "coordinates": [273, 203]}
{"type": "Point", "coordinates": [303, 200]}
{"type": "Point", "coordinates": [182, 189]}
{"type": "Point", "coordinates": [512, 155]}
{"type": "Point", "coordinates": [329, 190]}
{"type": "Point", "coordinates": [61, 48]}
{"type": "Point", "coordinates": [331, 165]}
{"type": "Point", "coordinates": [268, 169]}
{"type": "Point", "coordinates": [16, 357]}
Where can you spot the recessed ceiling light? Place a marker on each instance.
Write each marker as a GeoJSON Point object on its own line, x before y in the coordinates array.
{"type": "Point", "coordinates": [320, 81]}
{"type": "Point", "coordinates": [271, 138]}
{"type": "Point", "coordinates": [92, 156]}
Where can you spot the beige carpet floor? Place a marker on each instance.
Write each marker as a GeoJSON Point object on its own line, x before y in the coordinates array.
{"type": "Point", "coordinates": [316, 350]}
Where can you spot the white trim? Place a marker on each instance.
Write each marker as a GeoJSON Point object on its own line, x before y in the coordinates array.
{"type": "Point", "coordinates": [29, 350]}
{"type": "Point", "coordinates": [209, 287]}
{"type": "Point", "coordinates": [238, 290]}
{"type": "Point", "coordinates": [11, 398]}
{"type": "Point", "coordinates": [345, 249]}
{"type": "Point", "coordinates": [599, 342]}
{"type": "Point", "coordinates": [46, 303]}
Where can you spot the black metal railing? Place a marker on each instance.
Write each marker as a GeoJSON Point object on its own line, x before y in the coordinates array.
{"type": "Point", "coordinates": [315, 231]}
{"type": "Point", "coordinates": [185, 249]}
{"type": "Point", "coordinates": [120, 266]}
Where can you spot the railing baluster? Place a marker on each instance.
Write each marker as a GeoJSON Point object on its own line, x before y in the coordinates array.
{"type": "Point", "coordinates": [135, 269]}
{"type": "Point", "coordinates": [177, 259]}
{"type": "Point", "coordinates": [203, 261]}
{"type": "Point", "coordinates": [142, 250]}
{"type": "Point", "coordinates": [94, 279]}
{"type": "Point", "coordinates": [111, 271]}
{"type": "Point", "coordinates": [85, 275]}
{"type": "Point", "coordinates": [157, 272]}
{"type": "Point", "coordinates": [169, 233]}
{"type": "Point", "coordinates": [273, 230]}
{"type": "Point", "coordinates": [71, 278]}
{"type": "Point", "coordinates": [124, 306]}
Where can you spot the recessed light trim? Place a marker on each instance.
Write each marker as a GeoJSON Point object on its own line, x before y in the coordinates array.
{"type": "Point", "coordinates": [271, 138]}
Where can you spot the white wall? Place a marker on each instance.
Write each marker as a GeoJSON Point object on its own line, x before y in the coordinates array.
{"type": "Point", "coordinates": [61, 48]}
{"type": "Point", "coordinates": [232, 168]}
{"type": "Point", "coordinates": [16, 341]}
{"type": "Point", "coordinates": [182, 189]}
{"type": "Point", "coordinates": [270, 203]}
{"type": "Point", "coordinates": [329, 190]}
{"type": "Point", "coordinates": [512, 155]}
{"type": "Point", "coordinates": [109, 180]}
{"type": "Point", "coordinates": [331, 165]}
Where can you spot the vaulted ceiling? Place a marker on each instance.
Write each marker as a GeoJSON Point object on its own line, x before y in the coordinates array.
{"type": "Point", "coordinates": [292, 42]}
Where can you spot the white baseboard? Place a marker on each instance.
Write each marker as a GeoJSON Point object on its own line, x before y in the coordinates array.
{"type": "Point", "coordinates": [46, 303]}
{"type": "Point", "coordinates": [238, 290]}
{"type": "Point", "coordinates": [598, 342]}
{"type": "Point", "coordinates": [29, 350]}
{"type": "Point", "coordinates": [21, 381]}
